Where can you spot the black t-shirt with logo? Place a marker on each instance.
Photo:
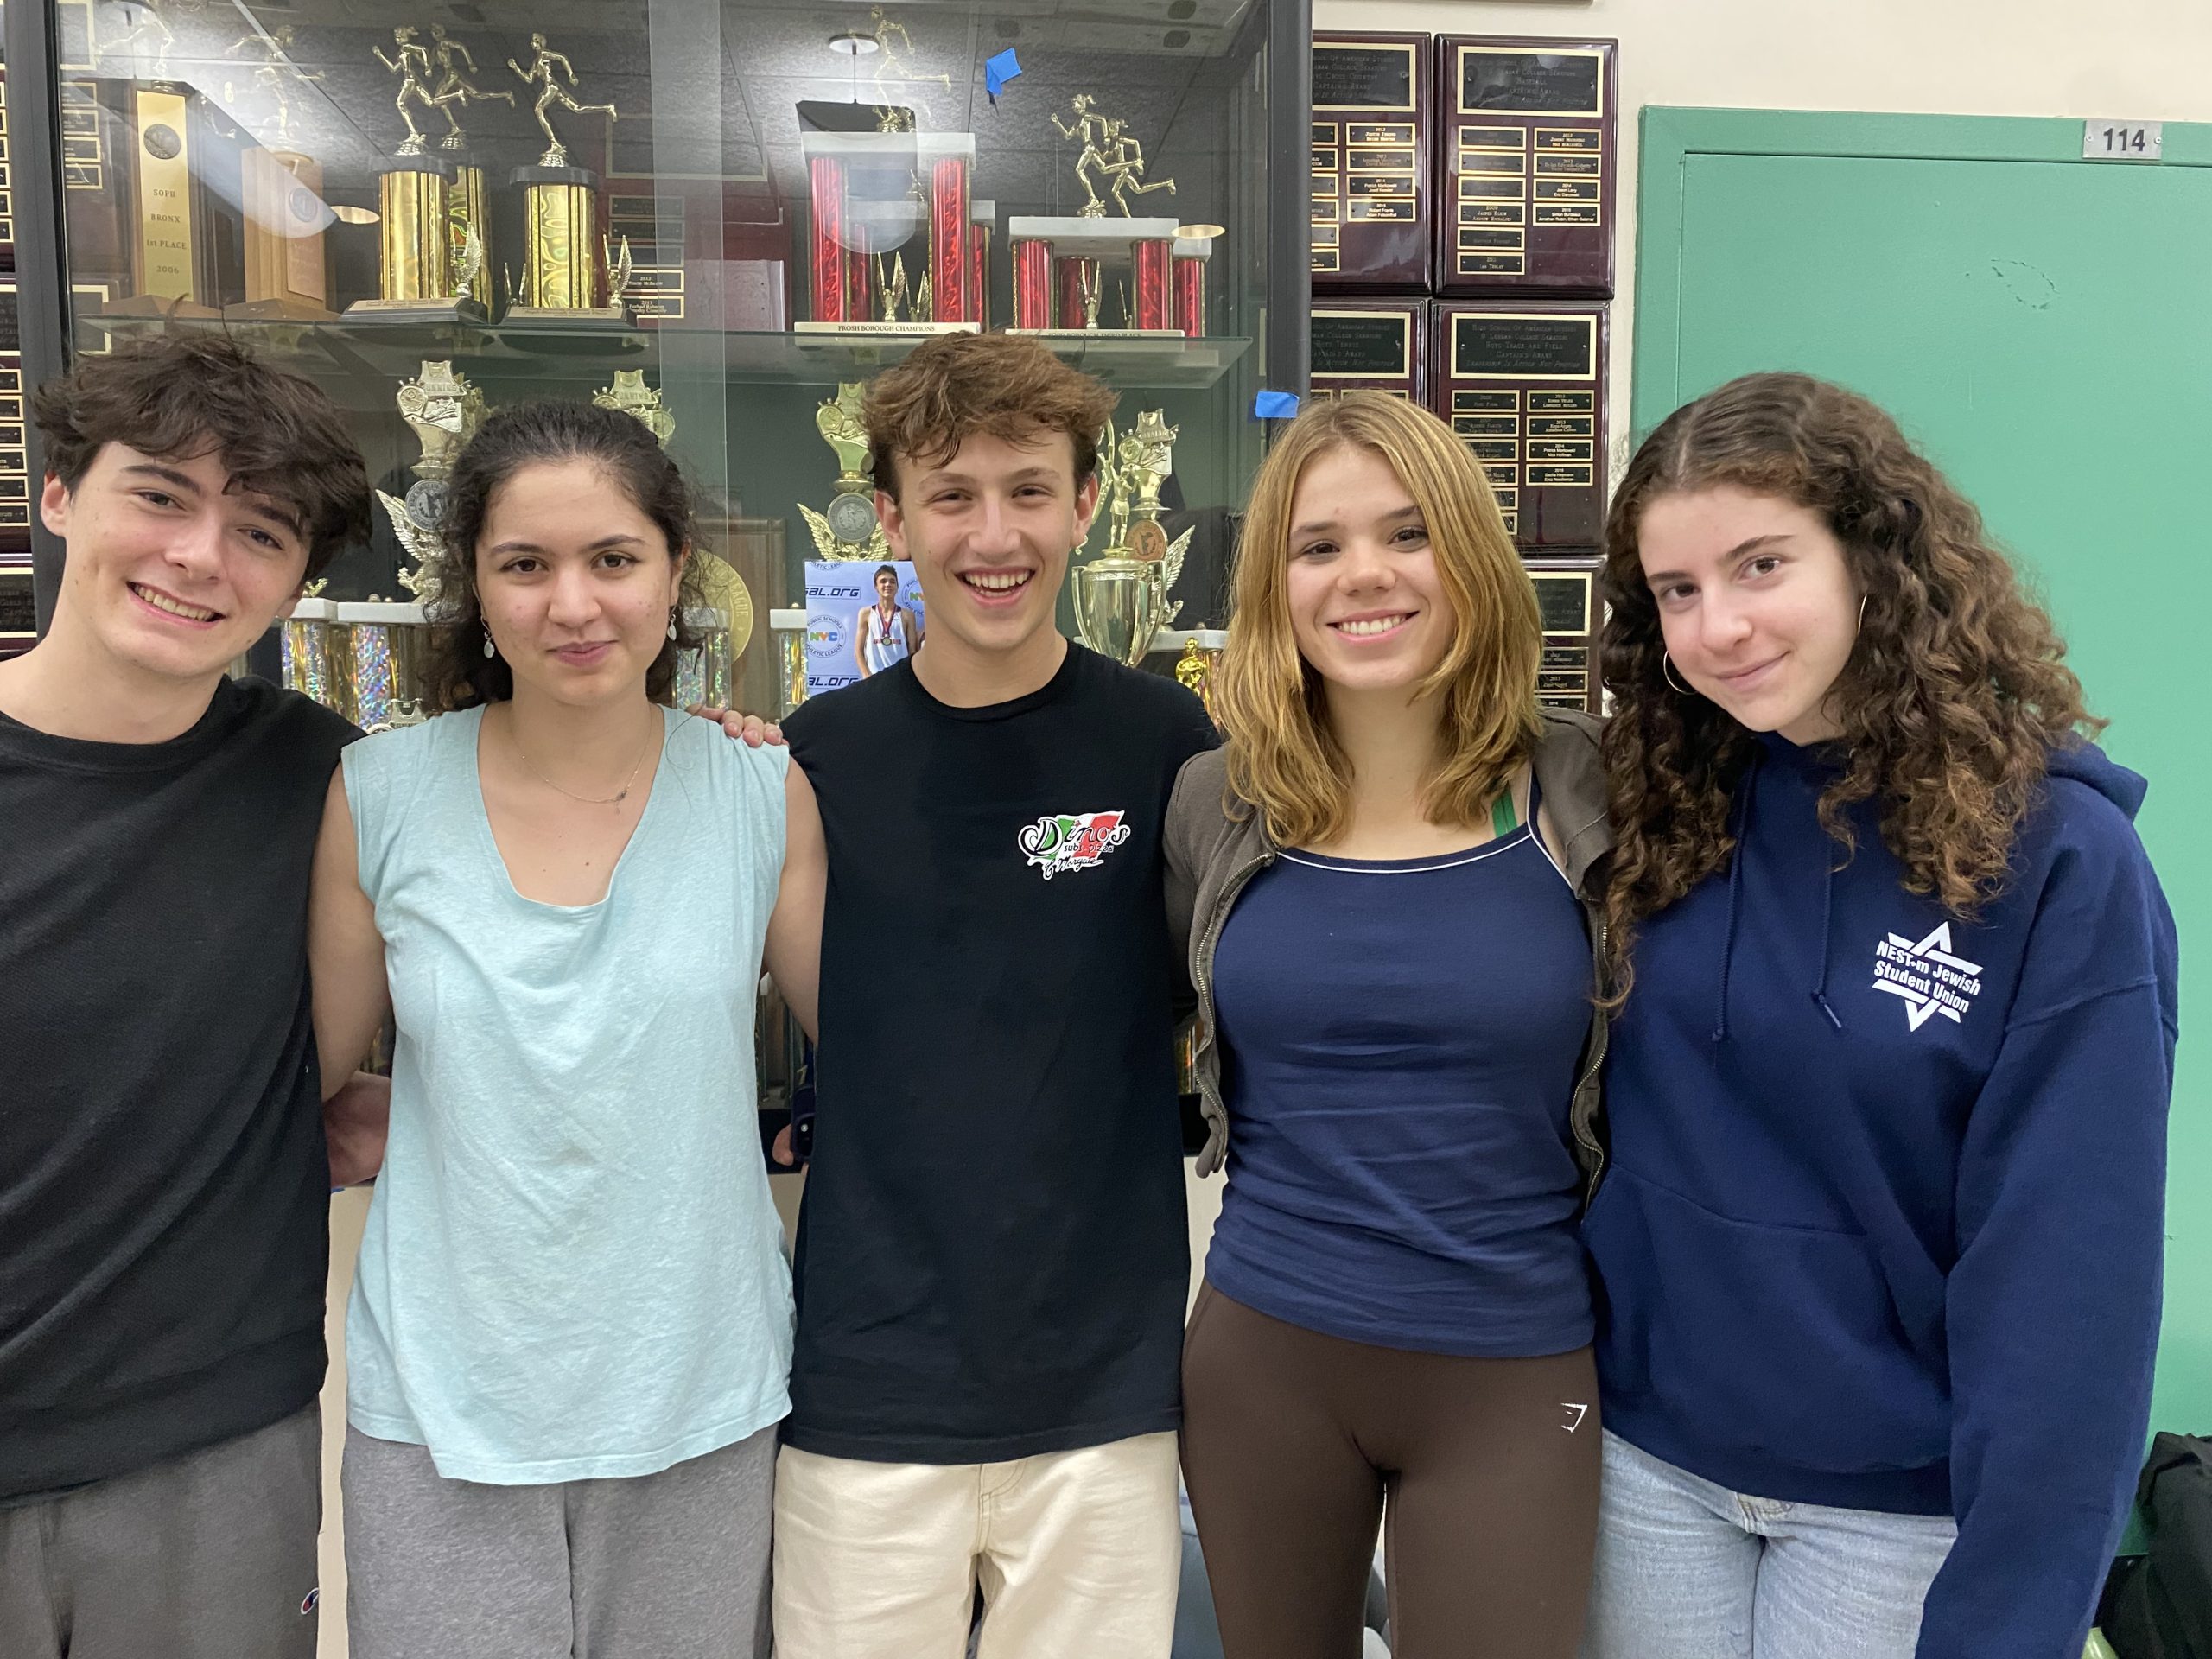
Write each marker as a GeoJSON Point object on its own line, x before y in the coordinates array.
{"type": "Point", "coordinates": [992, 1251]}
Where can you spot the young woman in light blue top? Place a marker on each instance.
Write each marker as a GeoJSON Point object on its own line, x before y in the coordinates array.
{"type": "Point", "coordinates": [569, 1336]}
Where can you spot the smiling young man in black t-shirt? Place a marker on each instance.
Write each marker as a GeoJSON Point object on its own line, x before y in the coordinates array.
{"type": "Point", "coordinates": [992, 1255]}
{"type": "Point", "coordinates": [164, 1186]}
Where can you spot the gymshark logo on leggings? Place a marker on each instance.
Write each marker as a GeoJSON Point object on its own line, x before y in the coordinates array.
{"type": "Point", "coordinates": [1073, 840]}
{"type": "Point", "coordinates": [1927, 977]}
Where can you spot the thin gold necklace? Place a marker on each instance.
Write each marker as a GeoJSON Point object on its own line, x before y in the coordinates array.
{"type": "Point", "coordinates": [615, 799]}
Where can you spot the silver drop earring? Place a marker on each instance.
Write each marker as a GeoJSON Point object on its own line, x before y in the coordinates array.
{"type": "Point", "coordinates": [489, 650]}
{"type": "Point", "coordinates": [671, 621]}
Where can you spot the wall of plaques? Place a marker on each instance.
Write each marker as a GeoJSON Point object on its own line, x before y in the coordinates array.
{"type": "Point", "coordinates": [15, 608]}
{"type": "Point", "coordinates": [1462, 257]}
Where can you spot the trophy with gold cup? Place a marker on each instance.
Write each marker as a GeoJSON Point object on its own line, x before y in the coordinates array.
{"type": "Point", "coordinates": [443, 410]}
{"type": "Point", "coordinates": [1121, 597]}
{"type": "Point", "coordinates": [849, 529]}
{"type": "Point", "coordinates": [634, 397]}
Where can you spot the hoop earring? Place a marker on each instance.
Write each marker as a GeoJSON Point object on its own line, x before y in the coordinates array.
{"type": "Point", "coordinates": [1861, 628]}
{"type": "Point", "coordinates": [1667, 673]}
{"type": "Point", "coordinates": [489, 651]}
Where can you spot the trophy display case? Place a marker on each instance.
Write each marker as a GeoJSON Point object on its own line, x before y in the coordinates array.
{"type": "Point", "coordinates": [717, 214]}
{"type": "Point", "coordinates": [733, 207]}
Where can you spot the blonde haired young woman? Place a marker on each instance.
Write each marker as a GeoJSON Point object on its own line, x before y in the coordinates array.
{"type": "Point", "coordinates": [1385, 882]}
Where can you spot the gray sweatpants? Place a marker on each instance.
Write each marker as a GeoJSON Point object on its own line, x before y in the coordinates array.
{"type": "Point", "coordinates": [672, 1565]}
{"type": "Point", "coordinates": [210, 1555]}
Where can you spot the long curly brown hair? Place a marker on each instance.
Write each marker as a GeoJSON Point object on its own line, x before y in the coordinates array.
{"type": "Point", "coordinates": [1951, 703]}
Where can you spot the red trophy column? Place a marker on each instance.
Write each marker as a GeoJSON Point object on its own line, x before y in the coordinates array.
{"type": "Point", "coordinates": [1191, 257]}
{"type": "Point", "coordinates": [840, 273]}
{"type": "Point", "coordinates": [1155, 302]}
{"type": "Point", "coordinates": [1069, 274]}
{"type": "Point", "coordinates": [1032, 283]}
{"type": "Point", "coordinates": [951, 270]}
{"type": "Point", "coordinates": [980, 217]}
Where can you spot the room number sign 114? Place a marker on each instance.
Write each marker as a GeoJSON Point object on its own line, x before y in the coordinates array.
{"type": "Point", "coordinates": [2123, 141]}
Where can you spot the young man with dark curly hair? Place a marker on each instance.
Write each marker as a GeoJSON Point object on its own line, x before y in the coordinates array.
{"type": "Point", "coordinates": [163, 1176]}
{"type": "Point", "coordinates": [992, 1251]}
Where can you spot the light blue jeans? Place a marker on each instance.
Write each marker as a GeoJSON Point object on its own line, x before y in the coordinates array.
{"type": "Point", "coordinates": [1689, 1570]}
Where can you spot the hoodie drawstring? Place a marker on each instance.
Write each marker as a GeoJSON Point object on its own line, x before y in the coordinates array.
{"type": "Point", "coordinates": [1744, 792]}
{"type": "Point", "coordinates": [1827, 915]}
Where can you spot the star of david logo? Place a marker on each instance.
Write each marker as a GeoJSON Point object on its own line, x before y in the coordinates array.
{"type": "Point", "coordinates": [1927, 956]}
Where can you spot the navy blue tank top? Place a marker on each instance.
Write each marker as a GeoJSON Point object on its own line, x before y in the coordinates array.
{"type": "Point", "coordinates": [1399, 1042]}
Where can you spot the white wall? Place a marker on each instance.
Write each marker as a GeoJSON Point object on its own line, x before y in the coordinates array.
{"type": "Point", "coordinates": [2148, 60]}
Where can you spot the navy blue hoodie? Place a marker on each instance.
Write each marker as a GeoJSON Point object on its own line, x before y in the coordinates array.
{"type": "Point", "coordinates": [1883, 1221]}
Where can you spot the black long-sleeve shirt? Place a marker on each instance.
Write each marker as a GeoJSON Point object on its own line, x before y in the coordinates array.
{"type": "Point", "coordinates": [163, 1183]}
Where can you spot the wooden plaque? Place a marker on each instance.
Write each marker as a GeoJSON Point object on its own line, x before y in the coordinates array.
{"type": "Point", "coordinates": [1567, 599]}
{"type": "Point", "coordinates": [157, 217]}
{"type": "Point", "coordinates": [1527, 146]}
{"type": "Point", "coordinates": [1370, 345]}
{"type": "Point", "coordinates": [1373, 162]}
{"type": "Point", "coordinates": [6, 190]}
{"type": "Point", "coordinates": [1524, 385]}
{"type": "Point", "coordinates": [14, 467]}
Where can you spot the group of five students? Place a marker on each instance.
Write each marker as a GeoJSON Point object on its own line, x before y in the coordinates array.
{"type": "Point", "coordinates": [1696, 1182]}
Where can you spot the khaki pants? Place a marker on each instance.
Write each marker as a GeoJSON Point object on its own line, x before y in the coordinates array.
{"type": "Point", "coordinates": [1078, 1554]}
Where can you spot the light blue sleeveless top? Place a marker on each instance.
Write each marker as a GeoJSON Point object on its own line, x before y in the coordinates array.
{"type": "Point", "coordinates": [572, 1267]}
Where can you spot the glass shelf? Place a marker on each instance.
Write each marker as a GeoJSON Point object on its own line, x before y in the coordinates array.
{"type": "Point", "coordinates": [389, 351]}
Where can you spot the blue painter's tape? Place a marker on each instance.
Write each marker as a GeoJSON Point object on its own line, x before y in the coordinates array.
{"type": "Point", "coordinates": [997, 71]}
{"type": "Point", "coordinates": [1274, 405]}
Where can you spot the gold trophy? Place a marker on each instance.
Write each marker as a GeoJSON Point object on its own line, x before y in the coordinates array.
{"type": "Point", "coordinates": [1121, 597]}
{"type": "Point", "coordinates": [632, 396]}
{"type": "Point", "coordinates": [849, 530]}
{"type": "Point", "coordinates": [892, 69]}
{"type": "Point", "coordinates": [1194, 671]}
{"type": "Point", "coordinates": [1059, 279]}
{"type": "Point", "coordinates": [468, 209]}
{"type": "Point", "coordinates": [443, 410]}
{"type": "Point", "coordinates": [281, 186]}
{"type": "Point", "coordinates": [425, 274]}
{"type": "Point", "coordinates": [565, 258]}
{"type": "Point", "coordinates": [1108, 154]}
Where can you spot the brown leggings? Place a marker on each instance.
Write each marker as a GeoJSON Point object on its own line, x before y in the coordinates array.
{"type": "Point", "coordinates": [1292, 1440]}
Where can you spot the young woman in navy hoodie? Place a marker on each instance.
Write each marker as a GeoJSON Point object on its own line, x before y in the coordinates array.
{"type": "Point", "coordinates": [1879, 1244]}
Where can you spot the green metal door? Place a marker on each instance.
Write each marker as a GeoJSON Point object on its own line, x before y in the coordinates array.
{"type": "Point", "coordinates": [2043, 324]}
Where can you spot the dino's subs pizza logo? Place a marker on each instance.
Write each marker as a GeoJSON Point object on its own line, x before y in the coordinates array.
{"type": "Point", "coordinates": [1073, 840]}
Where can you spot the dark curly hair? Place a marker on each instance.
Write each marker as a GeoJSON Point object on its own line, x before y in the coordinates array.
{"type": "Point", "coordinates": [1952, 701]}
{"type": "Point", "coordinates": [460, 675]}
{"type": "Point", "coordinates": [184, 396]}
